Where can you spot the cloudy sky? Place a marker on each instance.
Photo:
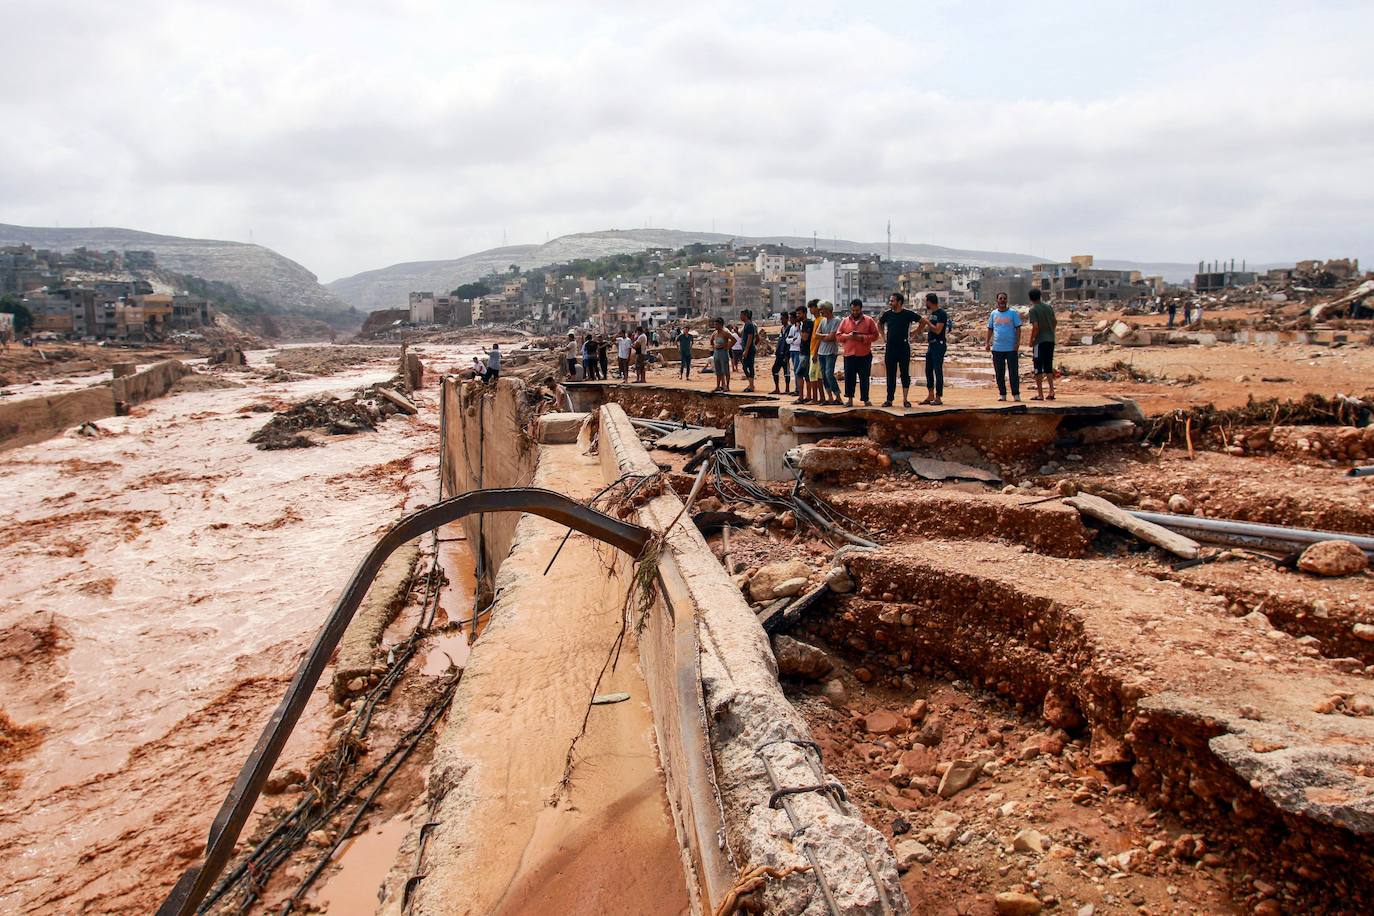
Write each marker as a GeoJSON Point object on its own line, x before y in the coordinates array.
{"type": "Point", "coordinates": [353, 134]}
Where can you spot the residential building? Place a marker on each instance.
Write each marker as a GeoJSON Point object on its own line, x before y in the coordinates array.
{"type": "Point", "coordinates": [1079, 281]}
{"type": "Point", "coordinates": [422, 308]}
{"type": "Point", "coordinates": [769, 266]}
{"type": "Point", "coordinates": [833, 282]}
{"type": "Point", "coordinates": [1016, 286]}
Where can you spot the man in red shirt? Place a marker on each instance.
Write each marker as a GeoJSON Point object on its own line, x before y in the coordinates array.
{"type": "Point", "coordinates": [856, 335]}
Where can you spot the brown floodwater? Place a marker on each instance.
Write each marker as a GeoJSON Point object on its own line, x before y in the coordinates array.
{"type": "Point", "coordinates": [161, 583]}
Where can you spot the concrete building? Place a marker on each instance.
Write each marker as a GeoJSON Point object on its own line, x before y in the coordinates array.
{"type": "Point", "coordinates": [769, 266]}
{"type": "Point", "coordinates": [833, 282]}
{"type": "Point", "coordinates": [1017, 289]}
{"type": "Point", "coordinates": [745, 287]}
{"type": "Point", "coordinates": [1079, 281]}
{"type": "Point", "coordinates": [422, 308]}
{"type": "Point", "coordinates": [1214, 277]}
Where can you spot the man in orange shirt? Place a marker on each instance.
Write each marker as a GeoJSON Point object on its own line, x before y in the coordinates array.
{"type": "Point", "coordinates": [856, 335]}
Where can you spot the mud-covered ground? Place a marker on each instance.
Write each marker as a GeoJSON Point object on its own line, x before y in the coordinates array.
{"type": "Point", "coordinates": [162, 579]}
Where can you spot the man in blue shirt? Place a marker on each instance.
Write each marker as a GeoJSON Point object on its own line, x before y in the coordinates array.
{"type": "Point", "coordinates": [1004, 341]}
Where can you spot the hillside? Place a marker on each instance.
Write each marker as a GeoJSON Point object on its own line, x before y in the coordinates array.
{"type": "Point", "coordinates": [388, 287]}
{"type": "Point", "coordinates": [284, 287]}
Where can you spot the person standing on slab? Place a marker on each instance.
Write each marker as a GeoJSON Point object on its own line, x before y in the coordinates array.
{"type": "Point", "coordinates": [936, 325]}
{"type": "Point", "coordinates": [856, 335]}
{"type": "Point", "coordinates": [1042, 323]}
{"type": "Point", "coordinates": [782, 357]}
{"type": "Point", "coordinates": [897, 322]}
{"type": "Point", "coordinates": [641, 351]}
{"type": "Point", "coordinates": [749, 338]}
{"type": "Point", "coordinates": [623, 343]}
{"type": "Point", "coordinates": [722, 339]}
{"type": "Point", "coordinates": [684, 353]}
{"type": "Point", "coordinates": [827, 350]}
{"type": "Point", "coordinates": [1003, 340]}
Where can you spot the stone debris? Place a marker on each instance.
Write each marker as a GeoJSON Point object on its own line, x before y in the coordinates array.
{"type": "Point", "coordinates": [801, 660]}
{"type": "Point", "coordinates": [1333, 558]}
{"type": "Point", "coordinates": [764, 583]}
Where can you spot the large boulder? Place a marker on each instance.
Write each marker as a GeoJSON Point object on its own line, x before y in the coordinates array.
{"type": "Point", "coordinates": [1333, 558]}
{"type": "Point", "coordinates": [764, 583]}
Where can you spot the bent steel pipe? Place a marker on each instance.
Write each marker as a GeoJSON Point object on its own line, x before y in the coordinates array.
{"type": "Point", "coordinates": [195, 884]}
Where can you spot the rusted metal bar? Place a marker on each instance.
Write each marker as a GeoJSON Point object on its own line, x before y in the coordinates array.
{"type": "Point", "coordinates": [193, 886]}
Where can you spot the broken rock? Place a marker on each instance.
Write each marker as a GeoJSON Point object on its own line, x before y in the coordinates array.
{"type": "Point", "coordinates": [909, 852]}
{"type": "Point", "coordinates": [960, 775]}
{"type": "Point", "coordinates": [1333, 558]}
{"type": "Point", "coordinates": [763, 584]}
{"type": "Point", "coordinates": [1010, 903]}
{"type": "Point", "coordinates": [800, 659]}
{"type": "Point", "coordinates": [1029, 840]}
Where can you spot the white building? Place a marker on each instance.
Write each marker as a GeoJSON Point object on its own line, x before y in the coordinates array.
{"type": "Point", "coordinates": [836, 283]}
{"type": "Point", "coordinates": [769, 266]}
{"type": "Point", "coordinates": [422, 308]}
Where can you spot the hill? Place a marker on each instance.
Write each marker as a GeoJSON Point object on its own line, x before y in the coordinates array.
{"type": "Point", "coordinates": [388, 287]}
{"type": "Point", "coordinates": [279, 284]}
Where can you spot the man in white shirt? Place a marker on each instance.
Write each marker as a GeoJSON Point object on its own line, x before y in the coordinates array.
{"type": "Point", "coordinates": [622, 354]}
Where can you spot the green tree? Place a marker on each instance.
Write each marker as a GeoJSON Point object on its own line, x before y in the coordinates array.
{"type": "Point", "coordinates": [472, 290]}
{"type": "Point", "coordinates": [23, 318]}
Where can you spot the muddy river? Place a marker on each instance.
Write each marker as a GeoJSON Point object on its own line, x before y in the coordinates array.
{"type": "Point", "coordinates": [161, 581]}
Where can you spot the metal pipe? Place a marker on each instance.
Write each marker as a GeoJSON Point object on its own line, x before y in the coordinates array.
{"type": "Point", "coordinates": [195, 883]}
{"type": "Point", "coordinates": [1201, 528]}
{"type": "Point", "coordinates": [1362, 471]}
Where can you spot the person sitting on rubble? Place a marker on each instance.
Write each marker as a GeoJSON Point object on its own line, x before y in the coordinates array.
{"type": "Point", "coordinates": [722, 338]}
{"type": "Point", "coordinates": [479, 368]}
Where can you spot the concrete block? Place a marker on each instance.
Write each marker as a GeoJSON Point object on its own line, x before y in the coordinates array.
{"type": "Point", "coordinates": [559, 428]}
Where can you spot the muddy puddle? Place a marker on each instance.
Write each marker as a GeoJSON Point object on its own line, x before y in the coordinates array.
{"type": "Point", "coordinates": [162, 581]}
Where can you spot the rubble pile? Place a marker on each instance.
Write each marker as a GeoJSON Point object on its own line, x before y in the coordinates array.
{"type": "Point", "coordinates": [324, 413]}
{"type": "Point", "coordinates": [1307, 443]}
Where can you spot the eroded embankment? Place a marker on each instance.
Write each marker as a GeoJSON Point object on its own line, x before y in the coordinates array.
{"type": "Point", "coordinates": [1224, 721]}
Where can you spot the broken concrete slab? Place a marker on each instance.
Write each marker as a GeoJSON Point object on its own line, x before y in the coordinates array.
{"type": "Point", "coordinates": [690, 439]}
{"type": "Point", "coordinates": [403, 403]}
{"type": "Point", "coordinates": [559, 428]}
{"type": "Point", "coordinates": [1100, 509]}
{"type": "Point", "coordinates": [934, 469]}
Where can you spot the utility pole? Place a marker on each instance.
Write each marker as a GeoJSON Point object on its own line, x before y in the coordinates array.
{"type": "Point", "coordinates": [889, 240]}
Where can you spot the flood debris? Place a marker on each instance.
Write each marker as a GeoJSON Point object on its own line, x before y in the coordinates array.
{"type": "Point", "coordinates": [331, 416]}
{"type": "Point", "coordinates": [1098, 508]}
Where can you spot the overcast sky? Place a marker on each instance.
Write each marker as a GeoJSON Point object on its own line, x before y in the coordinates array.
{"type": "Point", "coordinates": [353, 134]}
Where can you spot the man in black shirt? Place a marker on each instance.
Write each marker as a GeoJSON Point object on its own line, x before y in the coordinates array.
{"type": "Point", "coordinates": [749, 337]}
{"type": "Point", "coordinates": [936, 324]}
{"type": "Point", "coordinates": [896, 323]}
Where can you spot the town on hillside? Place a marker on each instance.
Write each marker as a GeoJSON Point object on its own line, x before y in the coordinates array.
{"type": "Point", "coordinates": [658, 287]}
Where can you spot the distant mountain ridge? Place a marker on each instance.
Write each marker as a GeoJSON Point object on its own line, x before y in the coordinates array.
{"type": "Point", "coordinates": [257, 271]}
{"type": "Point", "coordinates": [388, 287]}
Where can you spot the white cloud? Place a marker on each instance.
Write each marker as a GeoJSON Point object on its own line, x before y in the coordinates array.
{"type": "Point", "coordinates": [352, 136]}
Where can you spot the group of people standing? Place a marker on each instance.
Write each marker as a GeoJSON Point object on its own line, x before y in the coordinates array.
{"type": "Point", "coordinates": [594, 355]}
{"type": "Point", "coordinates": [811, 341]}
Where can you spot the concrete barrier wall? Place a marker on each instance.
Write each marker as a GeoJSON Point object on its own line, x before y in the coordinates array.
{"type": "Point", "coordinates": [487, 444]}
{"type": "Point", "coordinates": [153, 382]}
{"type": "Point", "coordinates": [24, 421]}
{"type": "Point", "coordinates": [748, 718]}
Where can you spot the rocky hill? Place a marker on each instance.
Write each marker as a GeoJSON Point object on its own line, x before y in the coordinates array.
{"type": "Point", "coordinates": [285, 287]}
{"type": "Point", "coordinates": [388, 287]}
